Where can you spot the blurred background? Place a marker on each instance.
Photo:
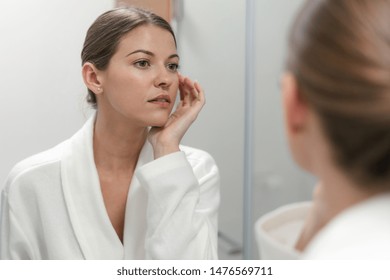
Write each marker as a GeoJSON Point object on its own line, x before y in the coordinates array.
{"type": "Point", "coordinates": [234, 48]}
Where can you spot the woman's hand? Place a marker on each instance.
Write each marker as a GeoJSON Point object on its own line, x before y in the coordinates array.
{"type": "Point", "coordinates": [166, 140]}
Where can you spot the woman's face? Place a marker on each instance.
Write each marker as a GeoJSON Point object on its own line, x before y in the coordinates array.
{"type": "Point", "coordinates": [141, 81]}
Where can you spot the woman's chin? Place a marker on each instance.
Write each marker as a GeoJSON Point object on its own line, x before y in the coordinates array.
{"type": "Point", "coordinates": [159, 123]}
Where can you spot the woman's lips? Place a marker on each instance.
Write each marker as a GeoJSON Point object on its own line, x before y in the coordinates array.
{"type": "Point", "coordinates": [162, 100]}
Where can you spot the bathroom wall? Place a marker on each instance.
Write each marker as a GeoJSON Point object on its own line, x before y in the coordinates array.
{"type": "Point", "coordinates": [41, 90]}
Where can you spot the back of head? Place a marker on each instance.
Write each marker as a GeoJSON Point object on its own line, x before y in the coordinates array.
{"type": "Point", "coordinates": [339, 52]}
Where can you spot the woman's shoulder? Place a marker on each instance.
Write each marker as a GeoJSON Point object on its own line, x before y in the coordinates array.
{"type": "Point", "coordinates": [34, 166]}
{"type": "Point", "coordinates": [363, 232]}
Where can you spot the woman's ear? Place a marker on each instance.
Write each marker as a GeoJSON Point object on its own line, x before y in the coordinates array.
{"type": "Point", "coordinates": [91, 78]}
{"type": "Point", "coordinates": [295, 107]}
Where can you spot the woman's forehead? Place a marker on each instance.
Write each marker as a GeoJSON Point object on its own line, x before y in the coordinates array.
{"type": "Point", "coordinates": [148, 35]}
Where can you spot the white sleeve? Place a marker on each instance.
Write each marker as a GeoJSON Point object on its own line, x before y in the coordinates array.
{"type": "Point", "coordinates": [13, 244]}
{"type": "Point", "coordinates": [183, 202]}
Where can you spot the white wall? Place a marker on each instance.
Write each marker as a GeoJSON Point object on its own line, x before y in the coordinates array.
{"type": "Point", "coordinates": [41, 89]}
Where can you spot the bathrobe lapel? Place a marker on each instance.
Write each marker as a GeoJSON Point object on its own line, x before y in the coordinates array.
{"type": "Point", "coordinates": [84, 200]}
{"type": "Point", "coordinates": [135, 219]}
{"type": "Point", "coordinates": [91, 224]}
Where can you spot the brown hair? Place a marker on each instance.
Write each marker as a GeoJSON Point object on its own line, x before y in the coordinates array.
{"type": "Point", "coordinates": [105, 33]}
{"type": "Point", "coordinates": [339, 52]}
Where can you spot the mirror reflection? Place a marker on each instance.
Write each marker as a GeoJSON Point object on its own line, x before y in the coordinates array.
{"type": "Point", "coordinates": [218, 66]}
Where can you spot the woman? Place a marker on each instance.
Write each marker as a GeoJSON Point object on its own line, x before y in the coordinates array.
{"type": "Point", "coordinates": [336, 98]}
{"type": "Point", "coordinates": [117, 190]}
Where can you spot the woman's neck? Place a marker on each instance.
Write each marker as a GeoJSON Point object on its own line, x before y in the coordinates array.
{"type": "Point", "coordinates": [117, 144]}
{"type": "Point", "coordinates": [336, 193]}
{"type": "Point", "coordinates": [332, 195]}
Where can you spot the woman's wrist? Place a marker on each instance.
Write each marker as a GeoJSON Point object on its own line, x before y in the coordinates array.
{"type": "Point", "coordinates": [162, 150]}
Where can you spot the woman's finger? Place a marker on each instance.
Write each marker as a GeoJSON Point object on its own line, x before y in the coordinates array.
{"type": "Point", "coordinates": [187, 92]}
{"type": "Point", "coordinates": [194, 94]}
{"type": "Point", "coordinates": [200, 95]}
{"type": "Point", "coordinates": [191, 94]}
{"type": "Point", "coordinates": [192, 91]}
{"type": "Point", "coordinates": [181, 83]}
{"type": "Point", "coordinates": [197, 86]}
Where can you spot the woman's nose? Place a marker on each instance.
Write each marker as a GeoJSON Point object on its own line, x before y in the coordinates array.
{"type": "Point", "coordinates": [163, 78]}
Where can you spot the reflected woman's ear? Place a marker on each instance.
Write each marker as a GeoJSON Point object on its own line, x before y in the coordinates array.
{"type": "Point", "coordinates": [91, 78]}
{"type": "Point", "coordinates": [295, 107]}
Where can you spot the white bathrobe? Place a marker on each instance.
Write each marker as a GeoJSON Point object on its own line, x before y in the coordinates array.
{"type": "Point", "coordinates": [359, 232]}
{"type": "Point", "coordinates": [52, 206]}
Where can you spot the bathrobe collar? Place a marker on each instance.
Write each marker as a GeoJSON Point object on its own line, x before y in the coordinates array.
{"type": "Point", "coordinates": [91, 224]}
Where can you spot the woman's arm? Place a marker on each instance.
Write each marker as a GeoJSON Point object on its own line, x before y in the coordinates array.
{"type": "Point", "coordinates": [183, 201]}
{"type": "Point", "coordinates": [13, 243]}
{"type": "Point", "coordinates": [183, 187]}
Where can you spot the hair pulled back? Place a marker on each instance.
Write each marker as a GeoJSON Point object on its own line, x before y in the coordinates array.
{"type": "Point", "coordinates": [339, 52]}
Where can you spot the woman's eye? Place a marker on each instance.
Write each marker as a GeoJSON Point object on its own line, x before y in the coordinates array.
{"type": "Point", "coordinates": [142, 64]}
{"type": "Point", "coordinates": [173, 67]}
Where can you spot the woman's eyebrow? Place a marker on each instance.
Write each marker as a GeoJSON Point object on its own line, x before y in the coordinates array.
{"type": "Point", "coordinates": [174, 55]}
{"type": "Point", "coordinates": [141, 51]}
{"type": "Point", "coordinates": [151, 54]}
